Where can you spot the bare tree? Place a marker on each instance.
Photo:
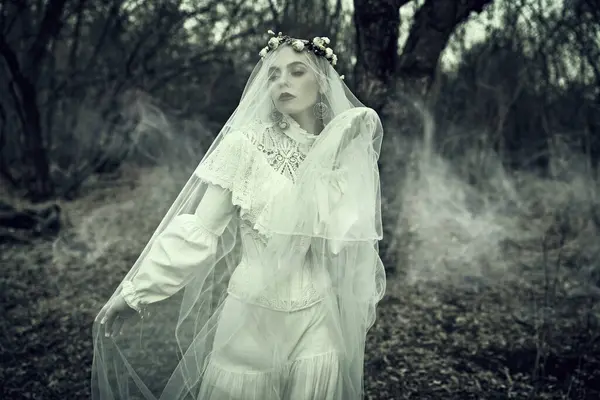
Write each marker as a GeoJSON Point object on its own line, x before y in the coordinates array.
{"type": "Point", "coordinates": [61, 55]}
{"type": "Point", "coordinates": [377, 24]}
{"type": "Point", "coordinates": [24, 73]}
{"type": "Point", "coordinates": [377, 28]}
{"type": "Point", "coordinates": [303, 18]}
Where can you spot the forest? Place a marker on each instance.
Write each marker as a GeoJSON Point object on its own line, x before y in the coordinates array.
{"type": "Point", "coordinates": [489, 176]}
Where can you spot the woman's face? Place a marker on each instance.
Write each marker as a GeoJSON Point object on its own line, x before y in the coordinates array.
{"type": "Point", "coordinates": [292, 83]}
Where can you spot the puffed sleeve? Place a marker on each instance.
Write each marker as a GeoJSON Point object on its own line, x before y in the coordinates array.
{"type": "Point", "coordinates": [188, 242]}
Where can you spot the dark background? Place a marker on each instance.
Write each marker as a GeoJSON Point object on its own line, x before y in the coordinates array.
{"type": "Point", "coordinates": [489, 176]}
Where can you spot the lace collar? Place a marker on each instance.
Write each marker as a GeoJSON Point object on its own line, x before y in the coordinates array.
{"type": "Point", "coordinates": [297, 133]}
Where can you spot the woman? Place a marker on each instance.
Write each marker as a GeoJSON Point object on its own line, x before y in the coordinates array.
{"type": "Point", "coordinates": [261, 281]}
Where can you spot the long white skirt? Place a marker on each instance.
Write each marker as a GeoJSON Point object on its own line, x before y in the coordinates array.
{"type": "Point", "coordinates": [272, 355]}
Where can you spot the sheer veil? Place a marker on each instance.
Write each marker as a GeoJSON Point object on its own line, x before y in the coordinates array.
{"type": "Point", "coordinates": [330, 214]}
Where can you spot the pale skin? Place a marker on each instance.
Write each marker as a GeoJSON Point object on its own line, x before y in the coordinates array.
{"type": "Point", "coordinates": [289, 73]}
{"type": "Point", "coordinates": [113, 315]}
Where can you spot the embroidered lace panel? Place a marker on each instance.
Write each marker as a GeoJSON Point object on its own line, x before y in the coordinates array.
{"type": "Point", "coordinates": [245, 162]}
{"type": "Point", "coordinates": [283, 153]}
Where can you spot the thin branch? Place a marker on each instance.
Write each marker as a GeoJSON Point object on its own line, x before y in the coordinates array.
{"type": "Point", "coordinates": [238, 13]}
{"type": "Point", "coordinates": [12, 63]}
{"type": "Point", "coordinates": [177, 24]}
{"type": "Point", "coordinates": [274, 11]}
{"type": "Point", "coordinates": [335, 18]}
{"type": "Point", "coordinates": [75, 75]}
{"type": "Point", "coordinates": [76, 36]}
{"type": "Point", "coordinates": [7, 27]}
{"type": "Point", "coordinates": [2, 126]}
{"type": "Point", "coordinates": [49, 28]}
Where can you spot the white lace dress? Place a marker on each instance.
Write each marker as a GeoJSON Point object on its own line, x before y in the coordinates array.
{"type": "Point", "coordinates": [289, 351]}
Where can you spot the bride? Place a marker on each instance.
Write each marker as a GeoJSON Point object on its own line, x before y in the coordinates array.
{"type": "Point", "coordinates": [262, 280]}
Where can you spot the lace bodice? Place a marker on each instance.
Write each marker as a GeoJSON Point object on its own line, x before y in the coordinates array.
{"type": "Point", "coordinates": [255, 163]}
{"type": "Point", "coordinates": [267, 161]}
{"type": "Point", "coordinates": [283, 153]}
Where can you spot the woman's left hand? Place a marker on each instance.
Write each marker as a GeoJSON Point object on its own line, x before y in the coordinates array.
{"type": "Point", "coordinates": [113, 315]}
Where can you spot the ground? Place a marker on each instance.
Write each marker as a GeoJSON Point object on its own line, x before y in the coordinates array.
{"type": "Point", "coordinates": [430, 341]}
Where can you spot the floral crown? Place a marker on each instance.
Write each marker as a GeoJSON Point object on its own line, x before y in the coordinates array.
{"type": "Point", "coordinates": [317, 46]}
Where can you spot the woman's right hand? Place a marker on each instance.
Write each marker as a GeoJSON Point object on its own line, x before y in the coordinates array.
{"type": "Point", "coordinates": [114, 314]}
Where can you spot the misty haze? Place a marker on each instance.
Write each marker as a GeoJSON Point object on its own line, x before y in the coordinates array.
{"type": "Point", "coordinates": [489, 172]}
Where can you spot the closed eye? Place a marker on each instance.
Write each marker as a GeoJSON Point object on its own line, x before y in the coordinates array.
{"type": "Point", "coordinates": [274, 76]}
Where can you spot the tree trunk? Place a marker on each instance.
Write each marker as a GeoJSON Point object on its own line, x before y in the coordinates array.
{"type": "Point", "coordinates": [23, 93]}
{"type": "Point", "coordinates": [23, 90]}
{"type": "Point", "coordinates": [432, 27]}
{"type": "Point", "coordinates": [377, 25]}
{"type": "Point", "coordinates": [377, 62]}
{"type": "Point", "coordinates": [382, 77]}
{"type": "Point", "coordinates": [307, 18]}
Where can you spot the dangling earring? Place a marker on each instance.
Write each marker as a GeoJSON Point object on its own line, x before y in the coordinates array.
{"type": "Point", "coordinates": [277, 117]}
{"type": "Point", "coordinates": [321, 110]}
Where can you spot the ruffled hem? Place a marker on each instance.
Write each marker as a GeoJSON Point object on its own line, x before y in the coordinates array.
{"type": "Point", "coordinates": [314, 377]}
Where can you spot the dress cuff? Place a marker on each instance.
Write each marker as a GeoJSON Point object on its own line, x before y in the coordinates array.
{"type": "Point", "coordinates": [130, 296]}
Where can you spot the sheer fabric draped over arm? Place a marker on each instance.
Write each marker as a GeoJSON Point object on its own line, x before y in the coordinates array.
{"type": "Point", "coordinates": [188, 242]}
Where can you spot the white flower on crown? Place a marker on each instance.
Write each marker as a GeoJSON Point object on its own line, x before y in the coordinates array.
{"type": "Point", "coordinates": [319, 43]}
{"type": "Point", "coordinates": [273, 43]}
{"type": "Point", "coordinates": [298, 45]}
